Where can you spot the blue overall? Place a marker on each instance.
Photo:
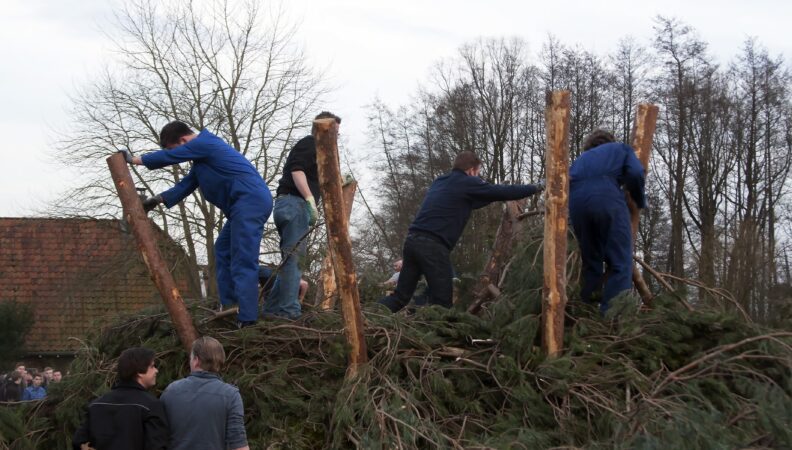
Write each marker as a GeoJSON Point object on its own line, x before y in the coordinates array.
{"type": "Point", "coordinates": [230, 182]}
{"type": "Point", "coordinates": [600, 217]}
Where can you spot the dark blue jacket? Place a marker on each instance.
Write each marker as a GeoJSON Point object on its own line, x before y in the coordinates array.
{"type": "Point", "coordinates": [223, 174]}
{"type": "Point", "coordinates": [599, 173]}
{"type": "Point", "coordinates": [453, 196]}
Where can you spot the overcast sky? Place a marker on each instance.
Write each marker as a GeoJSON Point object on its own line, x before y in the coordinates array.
{"type": "Point", "coordinates": [370, 48]}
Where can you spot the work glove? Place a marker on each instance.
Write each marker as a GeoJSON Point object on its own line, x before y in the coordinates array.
{"type": "Point", "coordinates": [127, 154]}
{"type": "Point", "coordinates": [313, 213]}
{"type": "Point", "coordinates": [152, 202]}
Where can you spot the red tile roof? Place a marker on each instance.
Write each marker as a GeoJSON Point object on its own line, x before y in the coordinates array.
{"type": "Point", "coordinates": [74, 271]}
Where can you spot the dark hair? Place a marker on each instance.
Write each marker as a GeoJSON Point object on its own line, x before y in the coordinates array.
{"type": "Point", "coordinates": [466, 160]}
{"type": "Point", "coordinates": [328, 115]}
{"type": "Point", "coordinates": [13, 376]}
{"type": "Point", "coordinates": [172, 132]}
{"type": "Point", "coordinates": [597, 138]}
{"type": "Point", "coordinates": [210, 352]}
{"type": "Point", "coordinates": [134, 361]}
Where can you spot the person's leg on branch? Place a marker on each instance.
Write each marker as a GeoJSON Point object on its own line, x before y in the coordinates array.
{"type": "Point", "coordinates": [291, 219]}
{"type": "Point", "coordinates": [408, 278]}
{"type": "Point", "coordinates": [436, 266]}
{"type": "Point", "coordinates": [225, 284]}
{"type": "Point", "coordinates": [618, 254]}
{"type": "Point", "coordinates": [587, 226]}
{"type": "Point", "coordinates": [246, 231]}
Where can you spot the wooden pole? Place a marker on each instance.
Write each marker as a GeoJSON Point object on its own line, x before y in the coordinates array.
{"type": "Point", "coordinates": [641, 140]}
{"type": "Point", "coordinates": [326, 133]}
{"type": "Point", "coordinates": [508, 230]}
{"type": "Point", "coordinates": [329, 292]}
{"type": "Point", "coordinates": [556, 213]}
{"type": "Point", "coordinates": [147, 244]}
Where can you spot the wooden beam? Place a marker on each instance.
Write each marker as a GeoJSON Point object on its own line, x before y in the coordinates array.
{"type": "Point", "coordinates": [641, 141]}
{"type": "Point", "coordinates": [328, 294]}
{"type": "Point", "coordinates": [147, 244]}
{"type": "Point", "coordinates": [509, 229]}
{"type": "Point", "coordinates": [556, 214]}
{"type": "Point", "coordinates": [326, 133]}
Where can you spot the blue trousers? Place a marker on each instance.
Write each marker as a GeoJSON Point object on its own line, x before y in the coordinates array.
{"type": "Point", "coordinates": [423, 255]}
{"type": "Point", "coordinates": [291, 218]}
{"type": "Point", "coordinates": [237, 252]}
{"type": "Point", "coordinates": [603, 230]}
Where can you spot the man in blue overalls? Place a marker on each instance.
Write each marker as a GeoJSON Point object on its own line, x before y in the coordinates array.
{"type": "Point", "coordinates": [599, 213]}
{"type": "Point", "coordinates": [230, 182]}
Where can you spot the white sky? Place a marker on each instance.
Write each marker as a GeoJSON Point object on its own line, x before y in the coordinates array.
{"type": "Point", "coordinates": [371, 48]}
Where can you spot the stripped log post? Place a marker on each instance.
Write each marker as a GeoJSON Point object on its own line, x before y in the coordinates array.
{"type": "Point", "coordinates": [555, 229]}
{"type": "Point", "coordinates": [147, 244]}
{"type": "Point", "coordinates": [328, 294]}
{"type": "Point", "coordinates": [325, 132]}
{"type": "Point", "coordinates": [509, 228]}
{"type": "Point", "coordinates": [641, 140]}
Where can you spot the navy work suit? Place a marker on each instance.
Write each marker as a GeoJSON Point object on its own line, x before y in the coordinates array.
{"type": "Point", "coordinates": [230, 182]}
{"type": "Point", "coordinates": [600, 216]}
{"type": "Point", "coordinates": [436, 229]}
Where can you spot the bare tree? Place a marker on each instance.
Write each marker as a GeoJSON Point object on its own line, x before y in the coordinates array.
{"type": "Point", "coordinates": [227, 66]}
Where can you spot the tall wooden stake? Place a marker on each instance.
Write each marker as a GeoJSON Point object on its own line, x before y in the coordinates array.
{"type": "Point", "coordinates": [556, 213]}
{"type": "Point", "coordinates": [147, 244]}
{"type": "Point", "coordinates": [328, 295]}
{"type": "Point", "coordinates": [326, 133]}
{"type": "Point", "coordinates": [641, 140]}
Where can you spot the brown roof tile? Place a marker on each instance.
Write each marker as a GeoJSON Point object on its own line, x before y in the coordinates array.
{"type": "Point", "coordinates": [74, 271]}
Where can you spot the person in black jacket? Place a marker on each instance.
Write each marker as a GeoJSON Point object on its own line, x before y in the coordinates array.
{"type": "Point", "coordinates": [12, 388]}
{"type": "Point", "coordinates": [439, 224]}
{"type": "Point", "coordinates": [127, 417]}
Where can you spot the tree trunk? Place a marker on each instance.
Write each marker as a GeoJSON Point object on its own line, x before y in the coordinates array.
{"type": "Point", "coordinates": [556, 214]}
{"type": "Point", "coordinates": [326, 134]}
{"type": "Point", "coordinates": [328, 294]}
{"type": "Point", "coordinates": [147, 244]}
{"type": "Point", "coordinates": [642, 136]}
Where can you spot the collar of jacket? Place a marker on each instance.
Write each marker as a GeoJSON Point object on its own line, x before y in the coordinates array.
{"type": "Point", "coordinates": [128, 385]}
{"type": "Point", "coordinates": [205, 374]}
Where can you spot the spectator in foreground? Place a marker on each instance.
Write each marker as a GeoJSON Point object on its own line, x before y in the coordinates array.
{"type": "Point", "coordinates": [127, 417]}
{"type": "Point", "coordinates": [204, 412]}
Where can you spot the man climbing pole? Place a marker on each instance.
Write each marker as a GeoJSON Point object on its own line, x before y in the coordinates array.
{"type": "Point", "coordinates": [295, 212]}
{"type": "Point", "coordinates": [230, 182]}
{"type": "Point", "coordinates": [599, 214]}
{"type": "Point", "coordinates": [439, 224]}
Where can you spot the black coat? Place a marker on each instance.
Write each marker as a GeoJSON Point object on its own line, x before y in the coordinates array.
{"type": "Point", "coordinates": [126, 418]}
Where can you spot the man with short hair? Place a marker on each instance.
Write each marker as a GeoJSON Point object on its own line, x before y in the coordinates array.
{"type": "Point", "coordinates": [47, 376]}
{"type": "Point", "coordinates": [230, 182]}
{"type": "Point", "coordinates": [438, 225]}
{"type": "Point", "coordinates": [599, 214]}
{"type": "Point", "coordinates": [127, 417]}
{"type": "Point", "coordinates": [36, 391]}
{"type": "Point", "coordinates": [12, 388]}
{"type": "Point", "coordinates": [204, 412]}
{"type": "Point", "coordinates": [57, 376]}
{"type": "Point", "coordinates": [294, 213]}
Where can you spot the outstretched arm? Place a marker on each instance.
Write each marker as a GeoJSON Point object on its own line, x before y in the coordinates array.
{"type": "Point", "coordinates": [181, 190]}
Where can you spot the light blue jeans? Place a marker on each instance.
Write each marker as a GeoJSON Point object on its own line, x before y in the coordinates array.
{"type": "Point", "coordinates": [291, 218]}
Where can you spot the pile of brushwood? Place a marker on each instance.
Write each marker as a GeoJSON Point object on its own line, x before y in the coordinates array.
{"type": "Point", "coordinates": [653, 378]}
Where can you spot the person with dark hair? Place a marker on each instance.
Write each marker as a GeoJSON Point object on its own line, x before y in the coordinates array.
{"type": "Point", "coordinates": [36, 391]}
{"type": "Point", "coordinates": [599, 214]}
{"type": "Point", "coordinates": [295, 212]}
{"type": "Point", "coordinates": [203, 411]}
{"type": "Point", "coordinates": [12, 388]}
{"type": "Point", "coordinates": [127, 417]}
{"type": "Point", "coordinates": [230, 182]}
{"type": "Point", "coordinates": [438, 225]}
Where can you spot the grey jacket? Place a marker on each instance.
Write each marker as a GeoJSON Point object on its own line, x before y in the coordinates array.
{"type": "Point", "coordinates": [204, 413]}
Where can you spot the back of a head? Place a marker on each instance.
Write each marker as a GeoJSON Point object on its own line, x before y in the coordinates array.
{"type": "Point", "coordinates": [210, 352]}
{"type": "Point", "coordinates": [134, 361]}
{"type": "Point", "coordinates": [466, 160]}
{"type": "Point", "coordinates": [328, 115]}
{"type": "Point", "coordinates": [172, 132]}
{"type": "Point", "coordinates": [596, 138]}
